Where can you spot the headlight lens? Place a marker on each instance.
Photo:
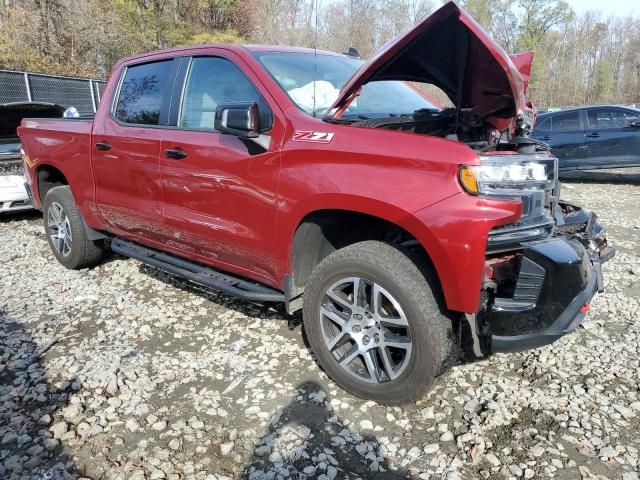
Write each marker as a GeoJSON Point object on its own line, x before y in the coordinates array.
{"type": "Point", "coordinates": [495, 175]}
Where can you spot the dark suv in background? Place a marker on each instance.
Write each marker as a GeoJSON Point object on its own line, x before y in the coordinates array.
{"type": "Point", "coordinates": [592, 137]}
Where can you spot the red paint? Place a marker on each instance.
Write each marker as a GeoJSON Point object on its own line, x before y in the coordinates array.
{"type": "Point", "coordinates": [228, 208]}
{"type": "Point", "coordinates": [585, 308]}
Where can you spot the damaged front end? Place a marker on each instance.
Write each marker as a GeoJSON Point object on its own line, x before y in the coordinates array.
{"type": "Point", "coordinates": [540, 291]}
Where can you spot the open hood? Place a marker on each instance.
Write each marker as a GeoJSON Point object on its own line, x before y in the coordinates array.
{"type": "Point", "coordinates": [450, 50]}
{"type": "Point", "coordinates": [11, 114]}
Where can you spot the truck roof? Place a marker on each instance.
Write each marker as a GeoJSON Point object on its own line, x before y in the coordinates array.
{"type": "Point", "coordinates": [234, 47]}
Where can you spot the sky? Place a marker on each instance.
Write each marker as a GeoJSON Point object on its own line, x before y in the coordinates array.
{"type": "Point", "coordinates": [608, 7]}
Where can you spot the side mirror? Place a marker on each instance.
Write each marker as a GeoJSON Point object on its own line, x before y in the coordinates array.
{"type": "Point", "coordinates": [239, 119]}
{"type": "Point", "coordinates": [635, 124]}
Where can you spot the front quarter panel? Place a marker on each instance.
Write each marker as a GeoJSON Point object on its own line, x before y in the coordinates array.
{"type": "Point", "coordinates": [404, 178]}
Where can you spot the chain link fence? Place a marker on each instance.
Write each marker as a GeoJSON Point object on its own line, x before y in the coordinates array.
{"type": "Point", "coordinates": [82, 93]}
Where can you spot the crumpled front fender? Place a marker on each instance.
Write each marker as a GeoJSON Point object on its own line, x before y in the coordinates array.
{"type": "Point", "coordinates": [454, 233]}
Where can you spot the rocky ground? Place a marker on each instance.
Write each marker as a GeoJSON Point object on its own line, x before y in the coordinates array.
{"type": "Point", "coordinates": [121, 372]}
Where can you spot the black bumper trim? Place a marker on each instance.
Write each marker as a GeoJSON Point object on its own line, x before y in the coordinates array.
{"type": "Point", "coordinates": [27, 187]}
{"type": "Point", "coordinates": [568, 321]}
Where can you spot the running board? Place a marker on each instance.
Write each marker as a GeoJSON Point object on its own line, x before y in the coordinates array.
{"type": "Point", "coordinates": [197, 273]}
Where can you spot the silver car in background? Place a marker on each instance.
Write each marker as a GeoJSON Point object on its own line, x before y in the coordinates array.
{"type": "Point", "coordinates": [13, 195]}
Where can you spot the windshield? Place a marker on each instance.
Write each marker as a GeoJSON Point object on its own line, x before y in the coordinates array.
{"type": "Point", "coordinates": [313, 82]}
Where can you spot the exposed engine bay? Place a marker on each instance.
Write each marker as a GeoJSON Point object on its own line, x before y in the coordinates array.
{"type": "Point", "coordinates": [440, 123]}
{"type": "Point", "coordinates": [465, 127]}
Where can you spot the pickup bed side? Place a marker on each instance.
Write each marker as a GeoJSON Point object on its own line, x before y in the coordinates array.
{"type": "Point", "coordinates": [58, 153]}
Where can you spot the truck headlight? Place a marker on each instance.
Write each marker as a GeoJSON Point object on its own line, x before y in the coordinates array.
{"type": "Point", "coordinates": [497, 175]}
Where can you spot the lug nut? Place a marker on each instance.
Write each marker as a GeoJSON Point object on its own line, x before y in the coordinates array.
{"type": "Point", "coordinates": [365, 339]}
{"type": "Point", "coordinates": [376, 337]}
{"type": "Point", "coordinates": [357, 316]}
{"type": "Point", "coordinates": [356, 328]}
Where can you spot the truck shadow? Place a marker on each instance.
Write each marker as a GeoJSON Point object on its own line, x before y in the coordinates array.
{"type": "Point", "coordinates": [28, 404]}
{"type": "Point", "coordinates": [307, 439]}
{"type": "Point", "coordinates": [271, 310]}
{"type": "Point", "coordinates": [274, 311]}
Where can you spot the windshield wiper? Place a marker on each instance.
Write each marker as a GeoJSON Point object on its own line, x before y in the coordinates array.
{"type": "Point", "coordinates": [337, 121]}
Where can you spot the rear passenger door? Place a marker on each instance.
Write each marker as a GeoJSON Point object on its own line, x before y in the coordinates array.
{"type": "Point", "coordinates": [612, 139]}
{"type": "Point", "coordinates": [126, 149]}
{"type": "Point", "coordinates": [564, 132]}
{"type": "Point", "coordinates": [220, 190]}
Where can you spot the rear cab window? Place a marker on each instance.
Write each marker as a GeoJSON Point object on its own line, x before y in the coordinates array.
{"type": "Point", "coordinates": [144, 92]}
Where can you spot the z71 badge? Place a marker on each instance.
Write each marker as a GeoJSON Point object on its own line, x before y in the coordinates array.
{"type": "Point", "coordinates": [309, 136]}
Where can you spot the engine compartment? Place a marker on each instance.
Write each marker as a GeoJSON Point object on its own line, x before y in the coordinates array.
{"type": "Point", "coordinates": [446, 123]}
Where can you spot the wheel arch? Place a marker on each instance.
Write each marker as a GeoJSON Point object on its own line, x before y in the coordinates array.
{"type": "Point", "coordinates": [48, 177]}
{"type": "Point", "coordinates": [320, 232]}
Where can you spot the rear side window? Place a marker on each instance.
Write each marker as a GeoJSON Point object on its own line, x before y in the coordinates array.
{"type": "Point", "coordinates": [566, 122]}
{"type": "Point", "coordinates": [545, 125]}
{"type": "Point", "coordinates": [142, 93]}
{"type": "Point", "coordinates": [213, 81]}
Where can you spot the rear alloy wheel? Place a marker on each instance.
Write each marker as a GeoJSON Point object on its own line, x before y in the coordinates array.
{"type": "Point", "coordinates": [373, 322]}
{"type": "Point", "coordinates": [59, 229]}
{"type": "Point", "coordinates": [66, 233]}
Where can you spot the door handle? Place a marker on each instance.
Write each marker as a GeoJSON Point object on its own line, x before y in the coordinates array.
{"type": "Point", "coordinates": [103, 147]}
{"type": "Point", "coordinates": [546, 137]}
{"type": "Point", "coordinates": [175, 153]}
{"type": "Point", "coordinates": [593, 135]}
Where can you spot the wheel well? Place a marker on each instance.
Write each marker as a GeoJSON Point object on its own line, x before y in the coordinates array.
{"type": "Point", "coordinates": [48, 178]}
{"type": "Point", "coordinates": [323, 232]}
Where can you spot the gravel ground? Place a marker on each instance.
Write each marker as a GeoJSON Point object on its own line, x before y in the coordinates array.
{"type": "Point", "coordinates": [123, 372]}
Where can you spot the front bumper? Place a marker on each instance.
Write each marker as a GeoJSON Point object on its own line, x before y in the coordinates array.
{"type": "Point", "coordinates": [556, 281]}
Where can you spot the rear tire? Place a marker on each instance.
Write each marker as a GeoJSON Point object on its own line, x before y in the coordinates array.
{"type": "Point", "coordinates": [65, 231]}
{"type": "Point", "coordinates": [396, 331]}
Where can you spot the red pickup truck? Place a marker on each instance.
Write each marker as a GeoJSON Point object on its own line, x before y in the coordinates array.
{"type": "Point", "coordinates": [407, 232]}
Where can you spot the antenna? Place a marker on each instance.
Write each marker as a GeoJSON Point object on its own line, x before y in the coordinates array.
{"type": "Point", "coordinates": [315, 57]}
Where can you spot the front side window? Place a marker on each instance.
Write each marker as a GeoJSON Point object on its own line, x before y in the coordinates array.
{"type": "Point", "coordinates": [608, 118]}
{"type": "Point", "coordinates": [313, 82]}
{"type": "Point", "coordinates": [213, 81]}
{"type": "Point", "coordinates": [142, 93]}
{"type": "Point", "coordinates": [624, 118]}
{"type": "Point", "coordinates": [566, 122]}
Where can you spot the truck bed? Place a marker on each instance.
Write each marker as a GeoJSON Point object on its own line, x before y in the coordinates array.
{"type": "Point", "coordinates": [61, 143]}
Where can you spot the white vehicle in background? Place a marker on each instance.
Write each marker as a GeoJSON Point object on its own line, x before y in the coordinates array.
{"type": "Point", "coordinates": [13, 194]}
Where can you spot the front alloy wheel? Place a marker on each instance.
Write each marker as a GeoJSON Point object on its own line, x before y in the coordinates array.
{"type": "Point", "coordinates": [366, 330]}
{"type": "Point", "coordinates": [373, 322]}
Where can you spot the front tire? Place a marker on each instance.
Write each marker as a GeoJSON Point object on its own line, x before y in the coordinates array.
{"type": "Point", "coordinates": [373, 321]}
{"type": "Point", "coordinates": [65, 231]}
